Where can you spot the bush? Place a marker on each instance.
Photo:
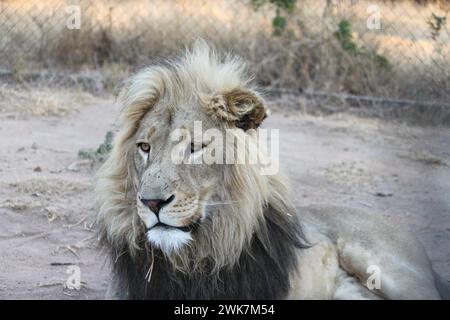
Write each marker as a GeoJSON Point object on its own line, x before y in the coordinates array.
{"type": "Point", "coordinates": [99, 154]}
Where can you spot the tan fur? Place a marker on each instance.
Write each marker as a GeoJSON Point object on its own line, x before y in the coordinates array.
{"type": "Point", "coordinates": [119, 223]}
{"type": "Point", "coordinates": [201, 84]}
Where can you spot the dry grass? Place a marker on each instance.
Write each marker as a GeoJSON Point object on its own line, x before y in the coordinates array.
{"type": "Point", "coordinates": [41, 101]}
{"type": "Point", "coordinates": [129, 31]}
{"type": "Point", "coordinates": [424, 158]}
{"type": "Point", "coordinates": [42, 193]}
{"type": "Point", "coordinates": [20, 204]}
{"type": "Point", "coordinates": [306, 57]}
{"type": "Point", "coordinates": [49, 187]}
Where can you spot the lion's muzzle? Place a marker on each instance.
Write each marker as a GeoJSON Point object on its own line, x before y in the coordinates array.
{"type": "Point", "coordinates": [155, 205]}
{"type": "Point", "coordinates": [169, 221]}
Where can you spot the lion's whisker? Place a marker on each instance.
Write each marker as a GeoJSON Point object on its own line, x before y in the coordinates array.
{"type": "Point", "coordinates": [217, 203]}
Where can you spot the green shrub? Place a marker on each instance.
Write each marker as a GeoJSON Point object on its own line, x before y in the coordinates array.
{"type": "Point", "coordinates": [344, 35]}
{"type": "Point", "coordinates": [101, 152]}
{"type": "Point", "coordinates": [279, 21]}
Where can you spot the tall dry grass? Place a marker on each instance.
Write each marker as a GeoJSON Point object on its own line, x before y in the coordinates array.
{"type": "Point", "coordinates": [307, 56]}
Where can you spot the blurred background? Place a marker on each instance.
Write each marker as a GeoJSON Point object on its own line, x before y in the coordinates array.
{"type": "Point", "coordinates": [381, 52]}
{"type": "Point", "coordinates": [359, 90]}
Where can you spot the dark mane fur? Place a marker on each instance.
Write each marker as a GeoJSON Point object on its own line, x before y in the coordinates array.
{"type": "Point", "coordinates": [263, 270]}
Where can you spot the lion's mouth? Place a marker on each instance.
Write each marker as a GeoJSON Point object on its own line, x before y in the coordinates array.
{"type": "Point", "coordinates": [189, 228]}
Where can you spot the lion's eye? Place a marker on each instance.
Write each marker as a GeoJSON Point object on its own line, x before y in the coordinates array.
{"type": "Point", "coordinates": [145, 147]}
{"type": "Point", "coordinates": [195, 150]}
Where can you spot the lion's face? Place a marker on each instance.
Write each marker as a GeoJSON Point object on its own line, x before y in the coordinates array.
{"type": "Point", "coordinates": [179, 172]}
{"type": "Point", "coordinates": [157, 178]}
{"type": "Point", "coordinates": [174, 199]}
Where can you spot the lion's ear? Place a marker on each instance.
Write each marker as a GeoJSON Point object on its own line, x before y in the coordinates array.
{"type": "Point", "coordinates": [244, 108]}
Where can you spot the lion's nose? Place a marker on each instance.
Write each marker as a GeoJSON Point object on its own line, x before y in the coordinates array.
{"type": "Point", "coordinates": [156, 204]}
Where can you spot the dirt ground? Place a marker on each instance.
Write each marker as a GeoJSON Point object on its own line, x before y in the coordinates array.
{"type": "Point", "coordinates": [46, 198]}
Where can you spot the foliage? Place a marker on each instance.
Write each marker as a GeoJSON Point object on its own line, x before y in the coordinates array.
{"type": "Point", "coordinates": [344, 35]}
{"type": "Point", "coordinates": [279, 21]}
{"type": "Point", "coordinates": [101, 152]}
{"type": "Point", "coordinates": [436, 24]}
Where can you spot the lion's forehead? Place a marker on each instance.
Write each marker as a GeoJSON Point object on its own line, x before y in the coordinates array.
{"type": "Point", "coordinates": [187, 116]}
{"type": "Point", "coordinates": [153, 122]}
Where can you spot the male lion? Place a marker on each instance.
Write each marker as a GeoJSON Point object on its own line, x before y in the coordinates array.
{"type": "Point", "coordinates": [226, 231]}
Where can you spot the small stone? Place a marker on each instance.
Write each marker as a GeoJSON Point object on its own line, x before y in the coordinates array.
{"type": "Point", "coordinates": [73, 167]}
{"type": "Point", "coordinates": [37, 169]}
{"type": "Point", "coordinates": [383, 195]}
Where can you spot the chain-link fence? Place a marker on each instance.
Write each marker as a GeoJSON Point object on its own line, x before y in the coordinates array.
{"type": "Point", "coordinates": [385, 49]}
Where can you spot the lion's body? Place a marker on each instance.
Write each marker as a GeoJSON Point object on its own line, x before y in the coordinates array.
{"type": "Point", "coordinates": [228, 231]}
{"type": "Point", "coordinates": [351, 246]}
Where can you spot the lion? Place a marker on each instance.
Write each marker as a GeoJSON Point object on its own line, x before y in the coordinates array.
{"type": "Point", "coordinates": [226, 231]}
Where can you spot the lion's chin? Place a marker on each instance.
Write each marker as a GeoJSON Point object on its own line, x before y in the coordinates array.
{"type": "Point", "coordinates": [168, 240]}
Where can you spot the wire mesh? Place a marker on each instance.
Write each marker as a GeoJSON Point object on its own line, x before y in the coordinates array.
{"type": "Point", "coordinates": [395, 49]}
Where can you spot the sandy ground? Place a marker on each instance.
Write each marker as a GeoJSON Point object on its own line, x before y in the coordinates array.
{"type": "Point", "coordinates": [46, 200]}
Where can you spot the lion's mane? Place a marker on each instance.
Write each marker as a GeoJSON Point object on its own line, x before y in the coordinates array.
{"type": "Point", "coordinates": [246, 251]}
